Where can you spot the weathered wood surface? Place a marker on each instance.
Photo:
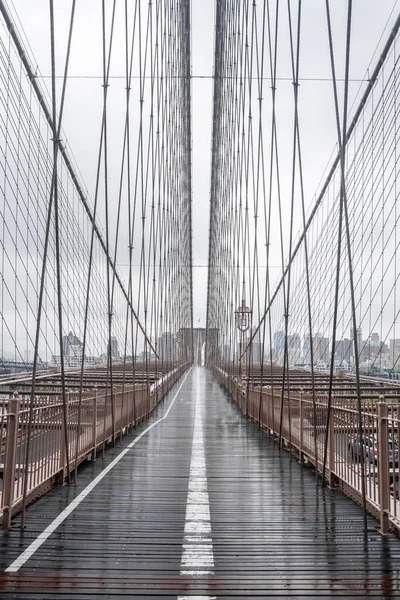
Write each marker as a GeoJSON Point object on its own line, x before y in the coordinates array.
{"type": "Point", "coordinates": [273, 533]}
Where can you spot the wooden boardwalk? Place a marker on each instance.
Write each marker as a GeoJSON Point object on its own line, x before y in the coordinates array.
{"type": "Point", "coordinates": [203, 505]}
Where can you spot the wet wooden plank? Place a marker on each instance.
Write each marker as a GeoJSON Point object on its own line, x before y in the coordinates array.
{"type": "Point", "coordinates": [273, 533]}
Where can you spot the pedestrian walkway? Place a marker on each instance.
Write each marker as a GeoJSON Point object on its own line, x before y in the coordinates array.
{"type": "Point", "coordinates": [196, 503]}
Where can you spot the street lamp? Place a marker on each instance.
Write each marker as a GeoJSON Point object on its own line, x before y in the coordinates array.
{"type": "Point", "coordinates": [243, 320]}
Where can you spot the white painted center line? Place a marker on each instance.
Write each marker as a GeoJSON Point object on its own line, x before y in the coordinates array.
{"type": "Point", "coordinates": [197, 552]}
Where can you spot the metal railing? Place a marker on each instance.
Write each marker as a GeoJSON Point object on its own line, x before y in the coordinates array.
{"type": "Point", "coordinates": [304, 431]}
{"type": "Point", "coordinates": [100, 421]}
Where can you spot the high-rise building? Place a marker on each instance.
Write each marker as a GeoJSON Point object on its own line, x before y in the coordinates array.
{"type": "Point", "coordinates": [294, 349]}
{"type": "Point", "coordinates": [373, 349]}
{"type": "Point", "coordinates": [344, 351]}
{"type": "Point", "coordinates": [359, 343]}
{"type": "Point", "coordinates": [72, 346]}
{"type": "Point", "coordinates": [254, 353]}
{"type": "Point", "coordinates": [166, 346]}
{"type": "Point", "coordinates": [320, 349]}
{"type": "Point", "coordinates": [294, 341]}
{"type": "Point", "coordinates": [115, 355]}
{"type": "Point", "coordinates": [279, 340]}
{"type": "Point", "coordinates": [255, 349]}
{"type": "Point", "coordinates": [324, 350]}
{"type": "Point", "coordinates": [395, 354]}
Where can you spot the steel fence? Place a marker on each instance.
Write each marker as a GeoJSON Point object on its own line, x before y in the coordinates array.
{"type": "Point", "coordinates": [91, 421]}
{"type": "Point", "coordinates": [300, 426]}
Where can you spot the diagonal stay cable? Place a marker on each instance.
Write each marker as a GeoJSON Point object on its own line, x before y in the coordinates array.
{"type": "Point", "coordinates": [62, 149]}
{"type": "Point", "coordinates": [344, 212]}
{"type": "Point", "coordinates": [56, 140]}
{"type": "Point", "coordinates": [369, 87]}
{"type": "Point", "coordinates": [56, 131]}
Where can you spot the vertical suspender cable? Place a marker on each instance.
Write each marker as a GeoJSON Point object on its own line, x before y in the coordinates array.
{"type": "Point", "coordinates": [43, 271]}
{"type": "Point", "coordinates": [109, 376]}
{"type": "Point", "coordinates": [343, 209]}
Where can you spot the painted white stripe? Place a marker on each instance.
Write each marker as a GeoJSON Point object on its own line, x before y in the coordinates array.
{"type": "Point", "coordinates": [196, 597]}
{"type": "Point", "coordinates": [35, 545]}
{"type": "Point", "coordinates": [197, 551]}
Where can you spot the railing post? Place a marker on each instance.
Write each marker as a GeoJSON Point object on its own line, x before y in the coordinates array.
{"type": "Point", "coordinates": [113, 415]}
{"type": "Point", "coordinates": [94, 427]}
{"type": "Point", "coordinates": [63, 454]}
{"type": "Point", "coordinates": [301, 421]}
{"type": "Point", "coordinates": [268, 411]}
{"type": "Point", "coordinates": [124, 410]}
{"type": "Point", "coordinates": [129, 408]}
{"type": "Point", "coordinates": [272, 414]}
{"type": "Point", "coordinates": [9, 461]}
{"type": "Point", "coordinates": [134, 411]}
{"type": "Point", "coordinates": [383, 465]}
{"type": "Point", "coordinates": [331, 449]}
{"type": "Point", "coordinates": [262, 413]}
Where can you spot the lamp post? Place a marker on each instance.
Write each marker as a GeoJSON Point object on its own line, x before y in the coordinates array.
{"type": "Point", "coordinates": [243, 320]}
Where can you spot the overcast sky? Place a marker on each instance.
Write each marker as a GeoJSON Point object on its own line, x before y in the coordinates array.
{"type": "Point", "coordinates": [84, 96]}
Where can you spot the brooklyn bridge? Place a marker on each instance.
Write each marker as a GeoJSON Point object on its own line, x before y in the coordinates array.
{"type": "Point", "coordinates": [199, 297]}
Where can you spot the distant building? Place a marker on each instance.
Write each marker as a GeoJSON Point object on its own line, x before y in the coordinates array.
{"type": "Point", "coordinates": [320, 349]}
{"type": "Point", "coordinates": [344, 351]}
{"type": "Point", "coordinates": [359, 343]}
{"type": "Point", "coordinates": [72, 345]}
{"type": "Point", "coordinates": [255, 350]}
{"type": "Point", "coordinates": [294, 348]}
{"type": "Point", "coordinates": [72, 351]}
{"type": "Point", "coordinates": [166, 346]}
{"type": "Point", "coordinates": [375, 351]}
{"type": "Point", "coordinates": [279, 340]}
{"type": "Point", "coordinates": [395, 354]}
{"type": "Point", "coordinates": [145, 355]}
{"type": "Point", "coordinates": [294, 341]}
{"type": "Point", "coordinates": [75, 362]}
{"type": "Point", "coordinates": [115, 355]}
{"type": "Point", "coordinates": [323, 349]}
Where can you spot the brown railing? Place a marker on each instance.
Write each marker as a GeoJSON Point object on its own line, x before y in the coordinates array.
{"type": "Point", "coordinates": [100, 421]}
{"type": "Point", "coordinates": [304, 431]}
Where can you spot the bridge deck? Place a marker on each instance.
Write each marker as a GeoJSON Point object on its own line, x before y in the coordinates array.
{"type": "Point", "coordinates": [202, 505]}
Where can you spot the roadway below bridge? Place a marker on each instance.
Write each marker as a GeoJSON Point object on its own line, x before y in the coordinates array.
{"type": "Point", "coordinates": [196, 503]}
